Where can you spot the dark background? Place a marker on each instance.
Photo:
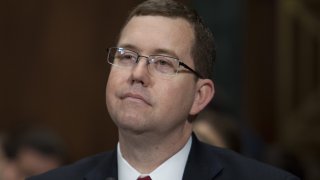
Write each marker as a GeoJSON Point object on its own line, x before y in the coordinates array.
{"type": "Point", "coordinates": [53, 70]}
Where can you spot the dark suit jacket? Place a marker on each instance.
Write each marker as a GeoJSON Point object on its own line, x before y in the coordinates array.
{"type": "Point", "coordinates": [205, 162]}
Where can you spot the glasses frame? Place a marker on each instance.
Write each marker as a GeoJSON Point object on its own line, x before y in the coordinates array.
{"type": "Point", "coordinates": [148, 59]}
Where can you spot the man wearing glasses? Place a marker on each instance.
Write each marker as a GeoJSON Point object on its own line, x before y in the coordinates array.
{"type": "Point", "coordinates": [159, 81]}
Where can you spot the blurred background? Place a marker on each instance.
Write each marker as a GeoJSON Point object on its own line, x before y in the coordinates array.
{"type": "Point", "coordinates": [267, 76]}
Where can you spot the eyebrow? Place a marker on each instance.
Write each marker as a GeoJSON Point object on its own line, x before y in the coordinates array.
{"type": "Point", "coordinates": [129, 46]}
{"type": "Point", "coordinates": [158, 51]}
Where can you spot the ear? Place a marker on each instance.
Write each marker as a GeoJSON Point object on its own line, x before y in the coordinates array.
{"type": "Point", "coordinates": [204, 94]}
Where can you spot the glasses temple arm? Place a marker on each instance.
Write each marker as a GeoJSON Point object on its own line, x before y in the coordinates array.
{"type": "Point", "coordinates": [193, 71]}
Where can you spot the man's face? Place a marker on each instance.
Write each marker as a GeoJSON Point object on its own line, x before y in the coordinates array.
{"type": "Point", "coordinates": [140, 101]}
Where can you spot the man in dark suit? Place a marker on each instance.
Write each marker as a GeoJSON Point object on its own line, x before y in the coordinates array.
{"type": "Point", "coordinates": [161, 78]}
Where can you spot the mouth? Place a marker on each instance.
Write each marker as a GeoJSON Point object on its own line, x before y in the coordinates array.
{"type": "Point", "coordinates": [135, 97]}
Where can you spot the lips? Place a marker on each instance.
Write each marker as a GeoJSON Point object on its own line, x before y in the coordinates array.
{"type": "Point", "coordinates": [135, 96]}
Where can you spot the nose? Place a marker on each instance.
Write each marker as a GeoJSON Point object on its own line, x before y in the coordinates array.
{"type": "Point", "coordinates": [140, 72]}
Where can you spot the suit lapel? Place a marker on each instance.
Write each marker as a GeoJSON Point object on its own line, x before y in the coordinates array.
{"type": "Point", "coordinates": [202, 163]}
{"type": "Point", "coordinates": [107, 169]}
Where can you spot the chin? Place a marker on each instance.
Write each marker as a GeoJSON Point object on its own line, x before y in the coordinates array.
{"type": "Point", "coordinates": [130, 123]}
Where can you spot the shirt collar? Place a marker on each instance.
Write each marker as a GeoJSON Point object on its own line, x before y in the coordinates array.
{"type": "Point", "coordinates": [173, 168]}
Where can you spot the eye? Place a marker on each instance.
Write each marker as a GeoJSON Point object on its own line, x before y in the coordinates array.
{"type": "Point", "coordinates": [125, 57]}
{"type": "Point", "coordinates": [163, 62]}
{"type": "Point", "coordinates": [164, 65]}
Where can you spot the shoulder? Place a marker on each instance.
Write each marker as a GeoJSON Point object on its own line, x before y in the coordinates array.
{"type": "Point", "coordinates": [234, 165]}
{"type": "Point", "coordinates": [76, 170]}
{"type": "Point", "coordinates": [247, 168]}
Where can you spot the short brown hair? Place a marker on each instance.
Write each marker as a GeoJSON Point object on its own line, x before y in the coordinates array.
{"type": "Point", "coordinates": [203, 50]}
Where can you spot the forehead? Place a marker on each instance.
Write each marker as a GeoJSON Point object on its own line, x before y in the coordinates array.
{"type": "Point", "coordinates": [147, 33]}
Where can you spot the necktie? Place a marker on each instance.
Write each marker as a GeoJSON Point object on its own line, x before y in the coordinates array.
{"type": "Point", "coordinates": [144, 178]}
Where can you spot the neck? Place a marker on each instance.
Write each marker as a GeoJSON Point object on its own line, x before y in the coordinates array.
{"type": "Point", "coordinates": [146, 151]}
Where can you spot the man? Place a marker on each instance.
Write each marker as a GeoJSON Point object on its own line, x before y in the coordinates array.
{"type": "Point", "coordinates": [158, 83]}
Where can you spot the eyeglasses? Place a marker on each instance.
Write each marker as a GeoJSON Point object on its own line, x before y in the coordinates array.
{"type": "Point", "coordinates": [158, 64]}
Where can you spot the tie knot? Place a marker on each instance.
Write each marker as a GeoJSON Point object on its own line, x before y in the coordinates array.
{"type": "Point", "coordinates": [144, 178]}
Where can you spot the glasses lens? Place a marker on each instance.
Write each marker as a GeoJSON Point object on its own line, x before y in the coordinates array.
{"type": "Point", "coordinates": [164, 65]}
{"type": "Point", "coordinates": [122, 57]}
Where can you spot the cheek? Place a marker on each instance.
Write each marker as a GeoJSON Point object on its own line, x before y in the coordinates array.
{"type": "Point", "coordinates": [115, 79]}
{"type": "Point", "coordinates": [109, 88]}
{"type": "Point", "coordinates": [112, 83]}
{"type": "Point", "coordinates": [175, 98]}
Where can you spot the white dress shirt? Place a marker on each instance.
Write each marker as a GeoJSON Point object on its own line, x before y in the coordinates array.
{"type": "Point", "coordinates": [172, 168]}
